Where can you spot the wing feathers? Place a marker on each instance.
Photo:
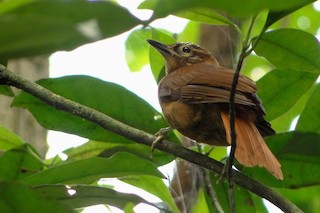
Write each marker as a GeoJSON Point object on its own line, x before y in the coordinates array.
{"type": "Point", "coordinates": [204, 94]}
{"type": "Point", "coordinates": [220, 77]}
{"type": "Point", "coordinates": [208, 75]}
{"type": "Point", "coordinates": [207, 83]}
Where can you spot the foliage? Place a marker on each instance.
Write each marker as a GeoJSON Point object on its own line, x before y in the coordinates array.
{"type": "Point", "coordinates": [289, 56]}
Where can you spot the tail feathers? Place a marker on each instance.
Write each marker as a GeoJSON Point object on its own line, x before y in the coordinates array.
{"type": "Point", "coordinates": [251, 147]}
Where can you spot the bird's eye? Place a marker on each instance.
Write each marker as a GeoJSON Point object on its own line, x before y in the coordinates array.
{"type": "Point", "coordinates": [186, 49]}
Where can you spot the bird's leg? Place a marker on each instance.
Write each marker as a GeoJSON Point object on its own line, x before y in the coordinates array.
{"type": "Point", "coordinates": [161, 134]}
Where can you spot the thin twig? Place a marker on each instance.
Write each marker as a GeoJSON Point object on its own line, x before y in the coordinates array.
{"type": "Point", "coordinates": [211, 192]}
{"type": "Point", "coordinates": [233, 133]}
{"type": "Point", "coordinates": [108, 123]}
{"type": "Point", "coordinates": [208, 184]}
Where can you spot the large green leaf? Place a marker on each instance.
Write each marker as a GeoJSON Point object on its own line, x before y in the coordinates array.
{"type": "Point", "coordinates": [153, 185]}
{"type": "Point", "coordinates": [237, 8]}
{"type": "Point", "coordinates": [6, 6]}
{"type": "Point", "coordinates": [309, 120]}
{"type": "Point", "coordinates": [54, 28]}
{"type": "Point", "coordinates": [19, 162]}
{"type": "Point", "coordinates": [8, 139]}
{"type": "Point", "coordinates": [306, 198]}
{"type": "Point", "coordinates": [290, 49]}
{"type": "Point", "coordinates": [18, 197]}
{"type": "Point", "coordinates": [155, 58]}
{"type": "Point", "coordinates": [284, 122]}
{"type": "Point", "coordinates": [163, 8]}
{"type": "Point", "coordinates": [299, 155]}
{"type": "Point", "coordinates": [201, 203]}
{"type": "Point", "coordinates": [274, 16]}
{"type": "Point", "coordinates": [108, 98]}
{"type": "Point", "coordinates": [137, 49]}
{"type": "Point", "coordinates": [191, 33]}
{"type": "Point", "coordinates": [304, 22]}
{"type": "Point", "coordinates": [83, 196]}
{"type": "Point", "coordinates": [92, 169]}
{"type": "Point", "coordinates": [281, 89]}
{"type": "Point", "coordinates": [106, 149]}
{"type": "Point", "coordinates": [6, 90]}
{"type": "Point", "coordinates": [253, 65]}
{"type": "Point", "coordinates": [204, 15]}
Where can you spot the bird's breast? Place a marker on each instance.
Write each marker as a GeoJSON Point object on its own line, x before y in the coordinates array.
{"type": "Point", "coordinates": [201, 122]}
{"type": "Point", "coordinates": [180, 115]}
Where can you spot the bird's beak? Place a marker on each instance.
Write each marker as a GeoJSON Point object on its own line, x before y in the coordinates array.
{"type": "Point", "coordinates": [162, 48]}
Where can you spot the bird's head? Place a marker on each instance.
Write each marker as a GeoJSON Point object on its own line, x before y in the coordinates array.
{"type": "Point", "coordinates": [183, 54]}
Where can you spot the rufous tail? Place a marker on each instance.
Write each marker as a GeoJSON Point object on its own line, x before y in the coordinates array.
{"type": "Point", "coordinates": [251, 148]}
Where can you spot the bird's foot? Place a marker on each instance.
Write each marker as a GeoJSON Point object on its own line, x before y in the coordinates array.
{"type": "Point", "coordinates": [161, 134]}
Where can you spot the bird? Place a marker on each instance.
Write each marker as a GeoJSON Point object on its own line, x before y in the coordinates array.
{"type": "Point", "coordinates": [194, 96]}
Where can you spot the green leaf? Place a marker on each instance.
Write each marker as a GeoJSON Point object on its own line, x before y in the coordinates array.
{"type": "Point", "coordinates": [307, 198]}
{"type": "Point", "coordinates": [305, 22]}
{"type": "Point", "coordinates": [299, 155]}
{"type": "Point", "coordinates": [236, 8]}
{"type": "Point", "coordinates": [290, 49]}
{"type": "Point", "coordinates": [155, 58]}
{"type": "Point", "coordinates": [128, 208]}
{"type": "Point", "coordinates": [246, 8]}
{"type": "Point", "coordinates": [18, 197]}
{"type": "Point", "coordinates": [83, 196]}
{"type": "Point", "coordinates": [284, 122]}
{"type": "Point", "coordinates": [309, 120]}
{"type": "Point", "coordinates": [6, 6]}
{"type": "Point", "coordinates": [258, 204]}
{"type": "Point", "coordinates": [6, 90]}
{"type": "Point", "coordinates": [54, 29]}
{"type": "Point", "coordinates": [106, 149]}
{"type": "Point", "coordinates": [204, 15]}
{"type": "Point", "coordinates": [8, 139]}
{"type": "Point", "coordinates": [163, 8]}
{"type": "Point", "coordinates": [137, 49]}
{"type": "Point", "coordinates": [218, 153]}
{"type": "Point", "coordinates": [201, 204]}
{"type": "Point", "coordinates": [274, 16]}
{"type": "Point", "coordinates": [92, 169]}
{"type": "Point", "coordinates": [153, 185]}
{"type": "Point", "coordinates": [280, 89]}
{"type": "Point", "coordinates": [18, 163]}
{"type": "Point", "coordinates": [108, 98]}
{"type": "Point", "coordinates": [255, 67]}
{"type": "Point", "coordinates": [191, 33]}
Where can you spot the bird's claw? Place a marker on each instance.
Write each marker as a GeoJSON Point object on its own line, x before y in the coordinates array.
{"type": "Point", "coordinates": [161, 134]}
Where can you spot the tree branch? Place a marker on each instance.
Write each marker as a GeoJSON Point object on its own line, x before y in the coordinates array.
{"type": "Point", "coordinates": [105, 121]}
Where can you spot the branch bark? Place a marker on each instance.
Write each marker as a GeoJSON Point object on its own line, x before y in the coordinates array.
{"type": "Point", "coordinates": [105, 121]}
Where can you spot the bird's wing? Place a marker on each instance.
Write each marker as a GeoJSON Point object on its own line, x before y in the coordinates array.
{"type": "Point", "coordinates": [196, 94]}
{"type": "Point", "coordinates": [206, 83]}
{"type": "Point", "coordinates": [214, 76]}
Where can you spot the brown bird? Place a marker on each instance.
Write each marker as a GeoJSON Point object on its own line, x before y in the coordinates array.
{"type": "Point", "coordinates": [194, 97]}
